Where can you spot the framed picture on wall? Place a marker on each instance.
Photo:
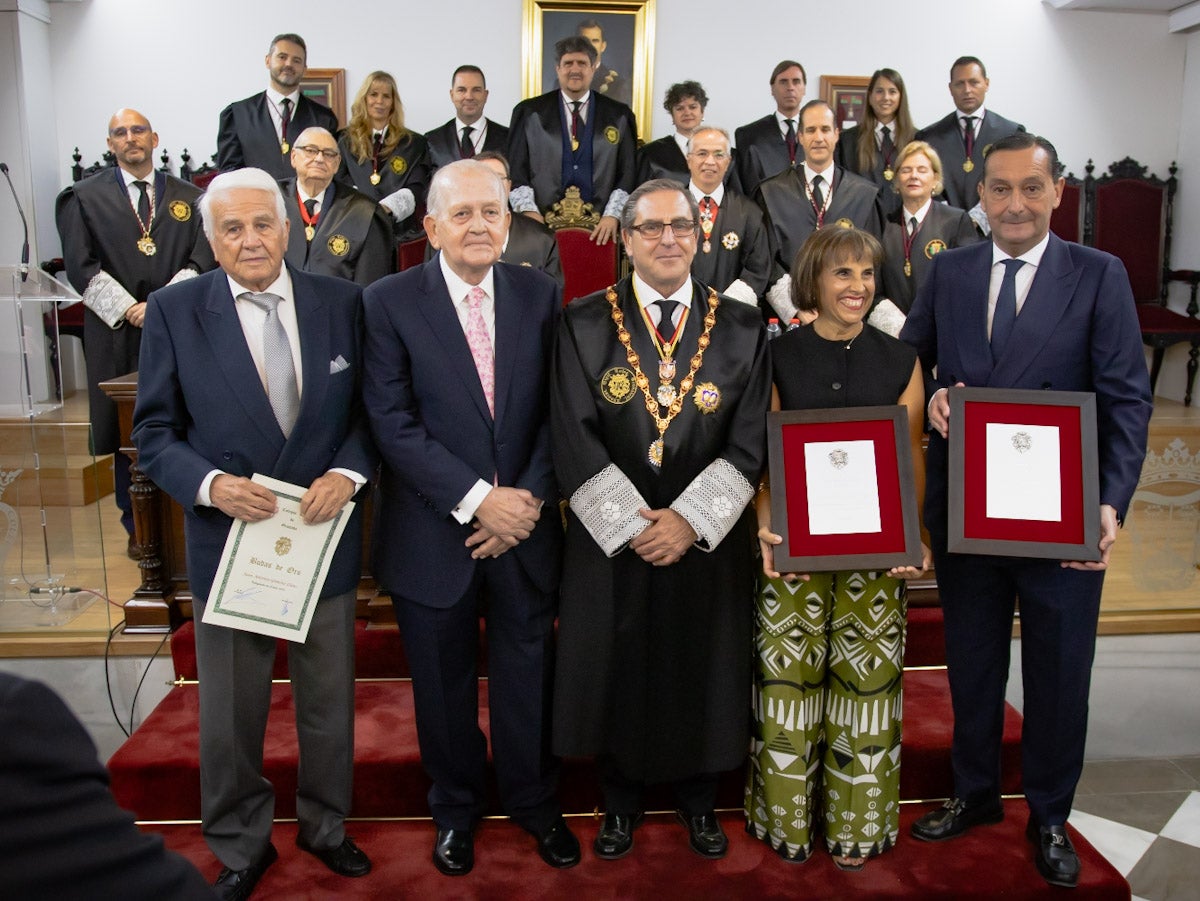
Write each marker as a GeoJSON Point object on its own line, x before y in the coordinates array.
{"type": "Point", "coordinates": [327, 86]}
{"type": "Point", "coordinates": [847, 94]}
{"type": "Point", "coordinates": [622, 32]}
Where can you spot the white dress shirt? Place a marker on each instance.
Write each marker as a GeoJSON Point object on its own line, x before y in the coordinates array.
{"type": "Point", "coordinates": [274, 106]}
{"type": "Point", "coordinates": [1023, 280]}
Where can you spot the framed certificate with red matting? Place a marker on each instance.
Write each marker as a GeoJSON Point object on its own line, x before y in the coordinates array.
{"type": "Point", "coordinates": [1024, 478]}
{"type": "Point", "coordinates": [842, 491]}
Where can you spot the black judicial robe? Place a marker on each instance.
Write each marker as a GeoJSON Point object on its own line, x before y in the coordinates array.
{"type": "Point", "coordinates": [740, 223]}
{"type": "Point", "coordinates": [790, 218]}
{"type": "Point", "coordinates": [654, 662]}
{"type": "Point", "coordinates": [762, 152]}
{"type": "Point", "coordinates": [445, 144]}
{"type": "Point", "coordinates": [846, 156]}
{"type": "Point", "coordinates": [535, 148]}
{"type": "Point", "coordinates": [99, 231]}
{"type": "Point", "coordinates": [945, 227]}
{"type": "Point", "coordinates": [663, 159]}
{"type": "Point", "coordinates": [945, 136]}
{"type": "Point", "coordinates": [407, 166]}
{"type": "Point", "coordinates": [353, 239]}
{"type": "Point", "coordinates": [246, 134]}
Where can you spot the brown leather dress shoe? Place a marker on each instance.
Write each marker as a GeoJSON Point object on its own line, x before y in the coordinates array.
{"type": "Point", "coordinates": [236, 885]}
{"type": "Point", "coordinates": [954, 818]}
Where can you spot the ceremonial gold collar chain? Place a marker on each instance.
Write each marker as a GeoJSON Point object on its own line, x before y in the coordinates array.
{"type": "Point", "coordinates": [652, 405]}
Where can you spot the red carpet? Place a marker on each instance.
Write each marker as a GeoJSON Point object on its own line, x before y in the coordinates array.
{"type": "Point", "coordinates": [992, 862]}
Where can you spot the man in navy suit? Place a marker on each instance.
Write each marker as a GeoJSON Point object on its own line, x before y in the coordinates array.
{"type": "Point", "coordinates": [260, 130]}
{"type": "Point", "coordinates": [962, 138]}
{"type": "Point", "coordinates": [1031, 311]}
{"type": "Point", "coordinates": [255, 368]}
{"type": "Point", "coordinates": [456, 387]}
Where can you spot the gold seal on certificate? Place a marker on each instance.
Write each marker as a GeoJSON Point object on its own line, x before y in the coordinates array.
{"type": "Point", "coordinates": [272, 571]}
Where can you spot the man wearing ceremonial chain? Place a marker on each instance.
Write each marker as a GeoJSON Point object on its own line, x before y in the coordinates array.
{"type": "Point", "coordinates": [659, 394]}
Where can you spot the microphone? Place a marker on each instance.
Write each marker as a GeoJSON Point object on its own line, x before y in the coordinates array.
{"type": "Point", "coordinates": [24, 223]}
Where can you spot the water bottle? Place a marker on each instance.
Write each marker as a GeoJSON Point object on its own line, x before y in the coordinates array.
{"type": "Point", "coordinates": [773, 329]}
{"type": "Point", "coordinates": [795, 323]}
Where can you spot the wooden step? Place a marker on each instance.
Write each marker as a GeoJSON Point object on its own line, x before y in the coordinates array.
{"type": "Point", "coordinates": [71, 481]}
{"type": "Point", "coordinates": [17, 437]}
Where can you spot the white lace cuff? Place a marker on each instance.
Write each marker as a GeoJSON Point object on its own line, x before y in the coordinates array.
{"type": "Point", "coordinates": [400, 204]}
{"type": "Point", "coordinates": [521, 200]}
{"type": "Point", "coordinates": [607, 504]}
{"type": "Point", "coordinates": [979, 217]}
{"type": "Point", "coordinates": [714, 502]}
{"type": "Point", "coordinates": [779, 296]}
{"type": "Point", "coordinates": [739, 290]}
{"type": "Point", "coordinates": [887, 318]}
{"type": "Point", "coordinates": [616, 203]}
{"type": "Point", "coordinates": [108, 299]}
{"type": "Point", "coordinates": [183, 275]}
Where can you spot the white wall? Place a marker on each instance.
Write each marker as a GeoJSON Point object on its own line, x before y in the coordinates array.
{"type": "Point", "coordinates": [1100, 85]}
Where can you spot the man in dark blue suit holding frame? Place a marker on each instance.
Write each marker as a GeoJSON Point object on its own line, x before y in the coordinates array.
{"type": "Point", "coordinates": [255, 368]}
{"type": "Point", "coordinates": [1029, 311]}
{"type": "Point", "coordinates": [457, 391]}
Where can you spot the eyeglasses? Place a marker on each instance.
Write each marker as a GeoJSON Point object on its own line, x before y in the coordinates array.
{"type": "Point", "coordinates": [717, 155]}
{"type": "Point", "coordinates": [136, 130]}
{"type": "Point", "coordinates": [681, 228]}
{"type": "Point", "coordinates": [312, 151]}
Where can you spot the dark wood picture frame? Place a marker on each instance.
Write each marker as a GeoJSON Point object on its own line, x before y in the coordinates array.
{"type": "Point", "coordinates": [327, 86]}
{"type": "Point", "coordinates": [847, 94]}
{"type": "Point", "coordinates": [898, 543]}
{"type": "Point", "coordinates": [1076, 536]}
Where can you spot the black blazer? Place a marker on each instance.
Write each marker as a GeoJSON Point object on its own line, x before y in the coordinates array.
{"type": "Point", "coordinates": [353, 237]}
{"type": "Point", "coordinates": [946, 138]}
{"type": "Point", "coordinates": [846, 156]}
{"type": "Point", "coordinates": [444, 142]}
{"type": "Point", "coordinates": [662, 158]}
{"type": "Point", "coordinates": [246, 135]}
{"type": "Point", "coordinates": [945, 227]}
{"type": "Point", "coordinates": [740, 223]}
{"type": "Point", "coordinates": [762, 152]}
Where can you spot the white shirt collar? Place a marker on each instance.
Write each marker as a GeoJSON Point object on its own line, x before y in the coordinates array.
{"type": "Point", "coordinates": [890, 126]}
{"type": "Point", "coordinates": [647, 295]}
{"type": "Point", "coordinates": [1033, 256]}
{"type": "Point", "coordinates": [281, 287]}
{"type": "Point", "coordinates": [319, 198]}
{"type": "Point", "coordinates": [684, 142]}
{"type": "Point", "coordinates": [781, 120]}
{"type": "Point", "coordinates": [478, 127]}
{"type": "Point", "coordinates": [129, 178]}
{"type": "Point", "coordinates": [978, 114]}
{"type": "Point", "coordinates": [826, 174]}
{"type": "Point", "coordinates": [458, 288]}
{"type": "Point", "coordinates": [276, 98]}
{"type": "Point", "coordinates": [583, 102]}
{"type": "Point", "coordinates": [920, 214]}
{"type": "Point", "coordinates": [718, 195]}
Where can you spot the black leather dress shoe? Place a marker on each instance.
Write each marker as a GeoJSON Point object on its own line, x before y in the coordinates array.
{"type": "Point", "coordinates": [704, 833]}
{"type": "Point", "coordinates": [615, 838]}
{"type": "Point", "coordinates": [454, 851]}
{"type": "Point", "coordinates": [1055, 855]}
{"type": "Point", "coordinates": [345, 860]}
{"type": "Point", "coordinates": [236, 885]}
{"type": "Point", "coordinates": [954, 818]}
{"type": "Point", "coordinates": [558, 846]}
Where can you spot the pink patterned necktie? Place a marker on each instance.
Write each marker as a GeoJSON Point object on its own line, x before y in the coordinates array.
{"type": "Point", "coordinates": [481, 346]}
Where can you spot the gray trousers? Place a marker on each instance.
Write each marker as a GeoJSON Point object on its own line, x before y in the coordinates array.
{"type": "Point", "coordinates": [237, 803]}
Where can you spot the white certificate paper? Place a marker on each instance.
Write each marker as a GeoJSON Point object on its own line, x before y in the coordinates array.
{"type": "Point", "coordinates": [843, 487]}
{"type": "Point", "coordinates": [1023, 476]}
{"type": "Point", "coordinates": [271, 572]}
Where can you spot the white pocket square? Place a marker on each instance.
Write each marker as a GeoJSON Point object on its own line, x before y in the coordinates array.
{"type": "Point", "coordinates": [336, 366]}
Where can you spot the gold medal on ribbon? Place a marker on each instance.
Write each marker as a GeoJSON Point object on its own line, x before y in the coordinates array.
{"type": "Point", "coordinates": [285, 148]}
{"type": "Point", "coordinates": [666, 369]}
{"type": "Point", "coordinates": [707, 248]}
{"type": "Point", "coordinates": [375, 178]}
{"type": "Point", "coordinates": [655, 453]}
{"type": "Point", "coordinates": [147, 246]}
{"type": "Point", "coordinates": [309, 231]}
{"type": "Point", "coordinates": [888, 174]}
{"type": "Point", "coordinates": [666, 394]}
{"type": "Point", "coordinates": [907, 268]}
{"type": "Point", "coordinates": [968, 165]}
{"type": "Point", "coordinates": [574, 144]}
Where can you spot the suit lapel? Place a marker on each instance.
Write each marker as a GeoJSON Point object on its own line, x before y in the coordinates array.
{"type": "Point", "coordinates": [508, 336]}
{"type": "Point", "coordinates": [223, 329]}
{"type": "Point", "coordinates": [970, 313]}
{"type": "Point", "coordinates": [438, 309]}
{"type": "Point", "coordinates": [1049, 296]}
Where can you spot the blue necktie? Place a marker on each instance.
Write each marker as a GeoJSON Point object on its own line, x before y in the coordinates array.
{"type": "Point", "coordinates": [1006, 309]}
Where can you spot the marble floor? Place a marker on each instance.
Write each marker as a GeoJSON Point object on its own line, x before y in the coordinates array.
{"type": "Point", "coordinates": [1144, 816]}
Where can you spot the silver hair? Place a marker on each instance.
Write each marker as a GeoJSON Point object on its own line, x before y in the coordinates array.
{"type": "Point", "coordinates": [441, 187]}
{"type": "Point", "coordinates": [722, 132]}
{"type": "Point", "coordinates": [316, 130]}
{"type": "Point", "coordinates": [629, 211]}
{"type": "Point", "coordinates": [238, 179]}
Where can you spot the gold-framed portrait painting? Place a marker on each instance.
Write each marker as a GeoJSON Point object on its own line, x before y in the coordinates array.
{"type": "Point", "coordinates": [622, 32]}
{"type": "Point", "coordinates": [847, 94]}
{"type": "Point", "coordinates": [328, 87]}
